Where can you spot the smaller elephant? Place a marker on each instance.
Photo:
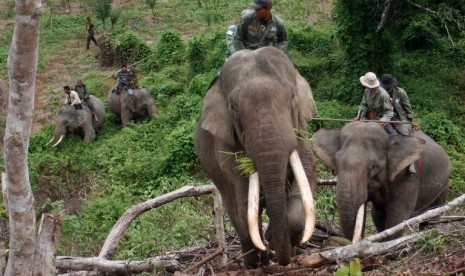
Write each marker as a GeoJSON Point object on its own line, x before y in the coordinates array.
{"type": "Point", "coordinates": [373, 166]}
{"type": "Point", "coordinates": [135, 105]}
{"type": "Point", "coordinates": [78, 122]}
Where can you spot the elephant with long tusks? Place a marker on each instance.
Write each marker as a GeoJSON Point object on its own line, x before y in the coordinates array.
{"type": "Point", "coordinates": [259, 106]}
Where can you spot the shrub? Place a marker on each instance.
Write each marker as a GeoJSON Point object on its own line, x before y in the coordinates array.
{"type": "Point", "coordinates": [130, 49]}
{"type": "Point", "coordinates": [170, 49]}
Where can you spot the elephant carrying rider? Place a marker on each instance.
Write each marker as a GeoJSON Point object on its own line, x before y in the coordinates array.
{"type": "Point", "coordinates": [84, 96]}
{"type": "Point", "coordinates": [123, 79]}
{"type": "Point", "coordinates": [72, 97]}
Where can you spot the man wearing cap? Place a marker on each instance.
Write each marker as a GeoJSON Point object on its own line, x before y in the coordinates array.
{"type": "Point", "coordinates": [402, 109]}
{"type": "Point", "coordinates": [260, 28]}
{"type": "Point", "coordinates": [375, 104]}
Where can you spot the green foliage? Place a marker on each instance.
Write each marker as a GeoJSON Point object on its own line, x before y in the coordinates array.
{"type": "Point", "coordinates": [200, 83]}
{"type": "Point", "coordinates": [365, 49]}
{"type": "Point", "coordinates": [101, 9]}
{"type": "Point", "coordinates": [333, 110]}
{"type": "Point", "coordinates": [421, 33]}
{"type": "Point", "coordinates": [9, 10]}
{"type": "Point", "coordinates": [354, 269]}
{"type": "Point", "coordinates": [196, 54]}
{"type": "Point", "coordinates": [443, 130]}
{"type": "Point", "coordinates": [433, 241]}
{"type": "Point", "coordinates": [170, 49]}
{"type": "Point", "coordinates": [150, 4]}
{"type": "Point", "coordinates": [131, 49]}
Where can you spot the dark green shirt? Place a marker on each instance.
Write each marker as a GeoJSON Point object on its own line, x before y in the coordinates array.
{"type": "Point", "coordinates": [82, 91]}
{"type": "Point", "coordinates": [401, 104]}
{"type": "Point", "coordinates": [378, 102]}
{"type": "Point", "coordinates": [253, 33]}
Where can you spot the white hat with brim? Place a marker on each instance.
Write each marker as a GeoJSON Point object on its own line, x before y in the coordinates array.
{"type": "Point", "coordinates": [369, 80]}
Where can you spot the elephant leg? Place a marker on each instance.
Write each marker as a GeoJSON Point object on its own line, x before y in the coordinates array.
{"type": "Point", "coordinates": [295, 214]}
{"type": "Point", "coordinates": [402, 200]}
{"type": "Point", "coordinates": [89, 132]}
{"type": "Point", "coordinates": [126, 116]}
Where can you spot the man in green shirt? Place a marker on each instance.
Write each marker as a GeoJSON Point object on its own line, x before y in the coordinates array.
{"type": "Point", "coordinates": [402, 109]}
{"type": "Point", "coordinates": [260, 28]}
{"type": "Point", "coordinates": [375, 104]}
{"type": "Point", "coordinates": [84, 96]}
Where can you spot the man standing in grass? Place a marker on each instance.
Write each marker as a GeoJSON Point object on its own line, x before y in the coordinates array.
{"type": "Point", "coordinates": [260, 28]}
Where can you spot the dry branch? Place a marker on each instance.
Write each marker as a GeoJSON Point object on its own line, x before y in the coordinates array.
{"type": "Point", "coordinates": [114, 267]}
{"type": "Point", "coordinates": [219, 223]}
{"type": "Point", "coordinates": [116, 233]}
{"type": "Point", "coordinates": [367, 247]}
{"type": "Point", "coordinates": [206, 260]}
{"type": "Point", "coordinates": [421, 218]}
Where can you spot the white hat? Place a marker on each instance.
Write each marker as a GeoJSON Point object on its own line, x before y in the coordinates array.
{"type": "Point", "coordinates": [369, 80]}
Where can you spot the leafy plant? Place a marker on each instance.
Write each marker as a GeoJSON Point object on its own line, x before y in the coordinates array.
{"type": "Point", "coordinates": [352, 270]}
{"type": "Point", "coordinates": [101, 8]}
{"type": "Point", "coordinates": [170, 49]}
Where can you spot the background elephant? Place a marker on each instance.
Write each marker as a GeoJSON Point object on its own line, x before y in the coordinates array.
{"type": "Point", "coordinates": [373, 166]}
{"type": "Point", "coordinates": [139, 105]}
{"type": "Point", "coordinates": [259, 106]}
{"type": "Point", "coordinates": [78, 122]}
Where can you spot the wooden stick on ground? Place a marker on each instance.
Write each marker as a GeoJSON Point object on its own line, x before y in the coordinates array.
{"type": "Point", "coordinates": [204, 261]}
{"type": "Point", "coordinates": [115, 267]}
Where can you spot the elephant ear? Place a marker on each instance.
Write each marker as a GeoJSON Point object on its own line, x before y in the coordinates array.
{"type": "Point", "coordinates": [403, 151]}
{"type": "Point", "coordinates": [305, 103]}
{"type": "Point", "coordinates": [81, 117]}
{"type": "Point", "coordinates": [326, 143]}
{"type": "Point", "coordinates": [215, 117]}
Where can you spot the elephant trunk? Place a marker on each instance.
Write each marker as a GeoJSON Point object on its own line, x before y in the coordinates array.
{"type": "Point", "coordinates": [350, 197]}
{"type": "Point", "coordinates": [271, 159]}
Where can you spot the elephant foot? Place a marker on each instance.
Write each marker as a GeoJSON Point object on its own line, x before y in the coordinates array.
{"type": "Point", "coordinates": [256, 259]}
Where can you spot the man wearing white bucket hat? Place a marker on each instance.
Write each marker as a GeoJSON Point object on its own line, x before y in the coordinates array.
{"type": "Point", "coordinates": [375, 104]}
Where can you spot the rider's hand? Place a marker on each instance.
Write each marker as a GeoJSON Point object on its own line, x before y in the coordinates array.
{"type": "Point", "coordinates": [415, 126]}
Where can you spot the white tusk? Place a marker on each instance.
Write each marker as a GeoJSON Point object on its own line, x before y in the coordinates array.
{"type": "Point", "coordinates": [307, 197]}
{"type": "Point", "coordinates": [59, 141]}
{"type": "Point", "coordinates": [359, 224]}
{"type": "Point", "coordinates": [51, 140]}
{"type": "Point", "coordinates": [252, 211]}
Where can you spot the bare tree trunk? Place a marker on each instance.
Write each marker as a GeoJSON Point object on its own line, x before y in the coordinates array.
{"type": "Point", "coordinates": [219, 224]}
{"type": "Point", "coordinates": [47, 239]}
{"type": "Point", "coordinates": [22, 67]}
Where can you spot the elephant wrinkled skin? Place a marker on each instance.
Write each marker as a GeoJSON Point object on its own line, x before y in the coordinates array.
{"type": "Point", "coordinates": [373, 166]}
{"type": "Point", "coordinates": [78, 122]}
{"type": "Point", "coordinates": [136, 106]}
{"type": "Point", "coordinates": [259, 106]}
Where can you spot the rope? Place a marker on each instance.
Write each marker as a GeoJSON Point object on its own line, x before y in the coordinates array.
{"type": "Point", "coordinates": [349, 120]}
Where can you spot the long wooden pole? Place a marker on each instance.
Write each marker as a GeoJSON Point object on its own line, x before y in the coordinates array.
{"type": "Point", "coordinates": [349, 120]}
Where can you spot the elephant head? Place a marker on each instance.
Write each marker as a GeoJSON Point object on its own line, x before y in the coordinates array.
{"type": "Point", "coordinates": [259, 105]}
{"type": "Point", "coordinates": [79, 122]}
{"type": "Point", "coordinates": [372, 166]}
{"type": "Point", "coordinates": [139, 103]}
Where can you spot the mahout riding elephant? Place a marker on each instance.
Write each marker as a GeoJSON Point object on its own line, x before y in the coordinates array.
{"type": "Point", "coordinates": [259, 106]}
{"type": "Point", "coordinates": [78, 122]}
{"type": "Point", "coordinates": [136, 104]}
{"type": "Point", "coordinates": [373, 166]}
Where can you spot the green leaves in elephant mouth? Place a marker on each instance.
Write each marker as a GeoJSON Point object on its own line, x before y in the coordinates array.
{"type": "Point", "coordinates": [245, 164]}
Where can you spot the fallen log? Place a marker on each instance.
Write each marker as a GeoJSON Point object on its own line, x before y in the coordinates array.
{"type": "Point", "coordinates": [96, 264]}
